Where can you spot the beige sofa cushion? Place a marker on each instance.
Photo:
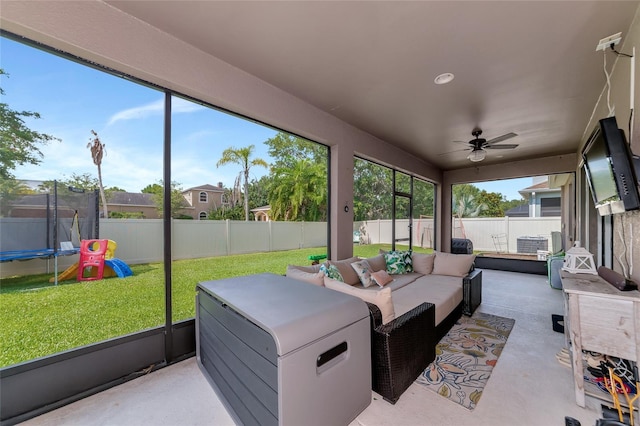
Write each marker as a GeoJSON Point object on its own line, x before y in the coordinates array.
{"type": "Point", "coordinates": [455, 265]}
{"type": "Point", "coordinates": [310, 274]}
{"type": "Point", "coordinates": [377, 263]}
{"type": "Point", "coordinates": [423, 263]}
{"type": "Point", "coordinates": [400, 281]}
{"type": "Point", "coordinates": [348, 274]}
{"type": "Point", "coordinates": [379, 297]}
{"type": "Point", "coordinates": [443, 291]}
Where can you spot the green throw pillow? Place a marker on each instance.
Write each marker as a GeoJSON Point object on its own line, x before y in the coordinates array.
{"type": "Point", "coordinates": [396, 256]}
{"type": "Point", "coordinates": [408, 259]}
{"type": "Point", "coordinates": [395, 263]}
{"type": "Point", "coordinates": [332, 272]}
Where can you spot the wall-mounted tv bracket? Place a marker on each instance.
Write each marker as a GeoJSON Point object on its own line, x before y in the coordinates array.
{"type": "Point", "coordinates": [610, 41]}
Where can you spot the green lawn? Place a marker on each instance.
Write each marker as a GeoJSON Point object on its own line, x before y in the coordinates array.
{"type": "Point", "coordinates": [38, 318]}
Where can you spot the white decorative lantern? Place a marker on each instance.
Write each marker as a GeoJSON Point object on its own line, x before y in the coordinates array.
{"type": "Point", "coordinates": [578, 260]}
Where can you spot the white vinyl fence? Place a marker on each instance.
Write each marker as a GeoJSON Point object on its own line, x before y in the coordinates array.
{"type": "Point", "coordinates": [495, 234]}
{"type": "Point", "coordinates": [141, 240]}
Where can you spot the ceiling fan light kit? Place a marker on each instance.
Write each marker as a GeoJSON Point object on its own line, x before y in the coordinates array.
{"type": "Point", "coordinates": [477, 155]}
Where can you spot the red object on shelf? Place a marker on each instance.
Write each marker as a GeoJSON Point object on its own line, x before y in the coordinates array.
{"type": "Point", "coordinates": [92, 253]}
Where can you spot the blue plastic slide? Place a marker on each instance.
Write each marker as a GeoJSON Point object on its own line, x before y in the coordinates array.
{"type": "Point", "coordinates": [119, 267]}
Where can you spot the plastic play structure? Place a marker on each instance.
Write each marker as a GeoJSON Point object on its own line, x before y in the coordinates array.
{"type": "Point", "coordinates": [96, 262]}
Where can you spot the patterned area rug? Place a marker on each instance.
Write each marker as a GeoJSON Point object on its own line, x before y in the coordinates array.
{"type": "Point", "coordinates": [465, 358]}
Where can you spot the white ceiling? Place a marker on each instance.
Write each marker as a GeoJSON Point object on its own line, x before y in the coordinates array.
{"type": "Point", "coordinates": [528, 67]}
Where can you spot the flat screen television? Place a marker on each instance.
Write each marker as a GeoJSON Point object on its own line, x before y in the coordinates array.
{"type": "Point", "coordinates": [610, 170]}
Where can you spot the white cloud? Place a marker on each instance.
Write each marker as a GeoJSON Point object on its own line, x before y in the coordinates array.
{"type": "Point", "coordinates": [178, 106]}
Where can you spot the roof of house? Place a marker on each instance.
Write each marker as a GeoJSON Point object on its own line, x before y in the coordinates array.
{"type": "Point", "coordinates": [261, 209]}
{"type": "Point", "coordinates": [132, 198]}
{"type": "Point", "coordinates": [31, 200]}
{"type": "Point", "coordinates": [518, 211]}
{"type": "Point", "coordinates": [538, 187]}
{"type": "Point", "coordinates": [205, 187]}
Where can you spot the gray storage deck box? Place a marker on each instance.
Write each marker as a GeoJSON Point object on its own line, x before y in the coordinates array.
{"type": "Point", "coordinates": [281, 351]}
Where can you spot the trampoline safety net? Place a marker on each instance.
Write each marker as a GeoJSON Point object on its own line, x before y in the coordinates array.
{"type": "Point", "coordinates": [39, 222]}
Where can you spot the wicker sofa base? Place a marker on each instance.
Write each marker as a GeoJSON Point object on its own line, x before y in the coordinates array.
{"type": "Point", "coordinates": [402, 350]}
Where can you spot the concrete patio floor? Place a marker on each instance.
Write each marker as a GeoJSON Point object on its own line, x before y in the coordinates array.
{"type": "Point", "coordinates": [527, 387]}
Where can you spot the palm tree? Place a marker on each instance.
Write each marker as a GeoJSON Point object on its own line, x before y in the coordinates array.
{"type": "Point", "coordinates": [299, 192]}
{"type": "Point", "coordinates": [97, 150]}
{"type": "Point", "coordinates": [466, 206]}
{"type": "Point", "coordinates": [242, 156]}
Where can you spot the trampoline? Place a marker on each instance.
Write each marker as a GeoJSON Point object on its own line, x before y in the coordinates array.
{"type": "Point", "coordinates": [49, 225]}
{"type": "Point", "coordinates": [8, 256]}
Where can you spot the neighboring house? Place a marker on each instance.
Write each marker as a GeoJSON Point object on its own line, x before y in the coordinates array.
{"type": "Point", "coordinates": [133, 202]}
{"type": "Point", "coordinates": [201, 199]}
{"type": "Point", "coordinates": [261, 214]}
{"type": "Point", "coordinates": [518, 211]}
{"type": "Point", "coordinates": [42, 206]}
{"type": "Point", "coordinates": [37, 205]}
{"type": "Point", "coordinates": [543, 200]}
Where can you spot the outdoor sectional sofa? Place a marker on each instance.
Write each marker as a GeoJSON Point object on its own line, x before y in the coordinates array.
{"type": "Point", "coordinates": [410, 314]}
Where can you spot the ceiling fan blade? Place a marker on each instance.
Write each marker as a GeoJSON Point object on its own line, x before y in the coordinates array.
{"type": "Point", "coordinates": [453, 152]}
{"type": "Point", "coordinates": [501, 138]}
{"type": "Point", "coordinates": [508, 146]}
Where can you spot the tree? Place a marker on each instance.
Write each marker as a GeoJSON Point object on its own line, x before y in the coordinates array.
{"type": "Point", "coordinates": [113, 189]}
{"type": "Point", "coordinates": [11, 189]}
{"type": "Point", "coordinates": [97, 151]}
{"type": "Point", "coordinates": [227, 212]}
{"type": "Point", "coordinates": [466, 206]}
{"type": "Point", "coordinates": [372, 191]}
{"type": "Point", "coordinates": [493, 202]}
{"type": "Point", "coordinates": [462, 190]}
{"type": "Point", "coordinates": [126, 215]}
{"type": "Point", "coordinates": [233, 208]}
{"type": "Point", "coordinates": [259, 191]}
{"type": "Point", "coordinates": [154, 188]}
{"type": "Point", "coordinates": [178, 201]}
{"type": "Point", "coordinates": [18, 144]}
{"type": "Point", "coordinates": [84, 181]}
{"type": "Point", "coordinates": [508, 205]}
{"type": "Point", "coordinates": [242, 156]}
{"type": "Point", "coordinates": [299, 193]}
{"type": "Point", "coordinates": [287, 149]}
{"type": "Point", "coordinates": [423, 198]}
{"type": "Point", "coordinates": [297, 184]}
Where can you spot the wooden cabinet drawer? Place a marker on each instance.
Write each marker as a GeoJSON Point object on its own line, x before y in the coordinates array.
{"type": "Point", "coordinates": [607, 326]}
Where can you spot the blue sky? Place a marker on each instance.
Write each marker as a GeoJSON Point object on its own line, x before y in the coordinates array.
{"type": "Point", "coordinates": [508, 187]}
{"type": "Point", "coordinates": [73, 99]}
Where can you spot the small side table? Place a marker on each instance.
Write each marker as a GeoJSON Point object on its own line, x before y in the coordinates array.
{"type": "Point", "coordinates": [600, 318]}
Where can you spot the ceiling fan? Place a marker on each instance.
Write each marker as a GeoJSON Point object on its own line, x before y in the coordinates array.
{"type": "Point", "coordinates": [479, 145]}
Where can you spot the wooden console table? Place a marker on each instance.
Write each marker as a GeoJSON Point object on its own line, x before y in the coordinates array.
{"type": "Point", "coordinates": [600, 318]}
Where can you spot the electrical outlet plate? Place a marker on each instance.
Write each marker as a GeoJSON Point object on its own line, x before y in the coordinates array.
{"type": "Point", "coordinates": [608, 41]}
